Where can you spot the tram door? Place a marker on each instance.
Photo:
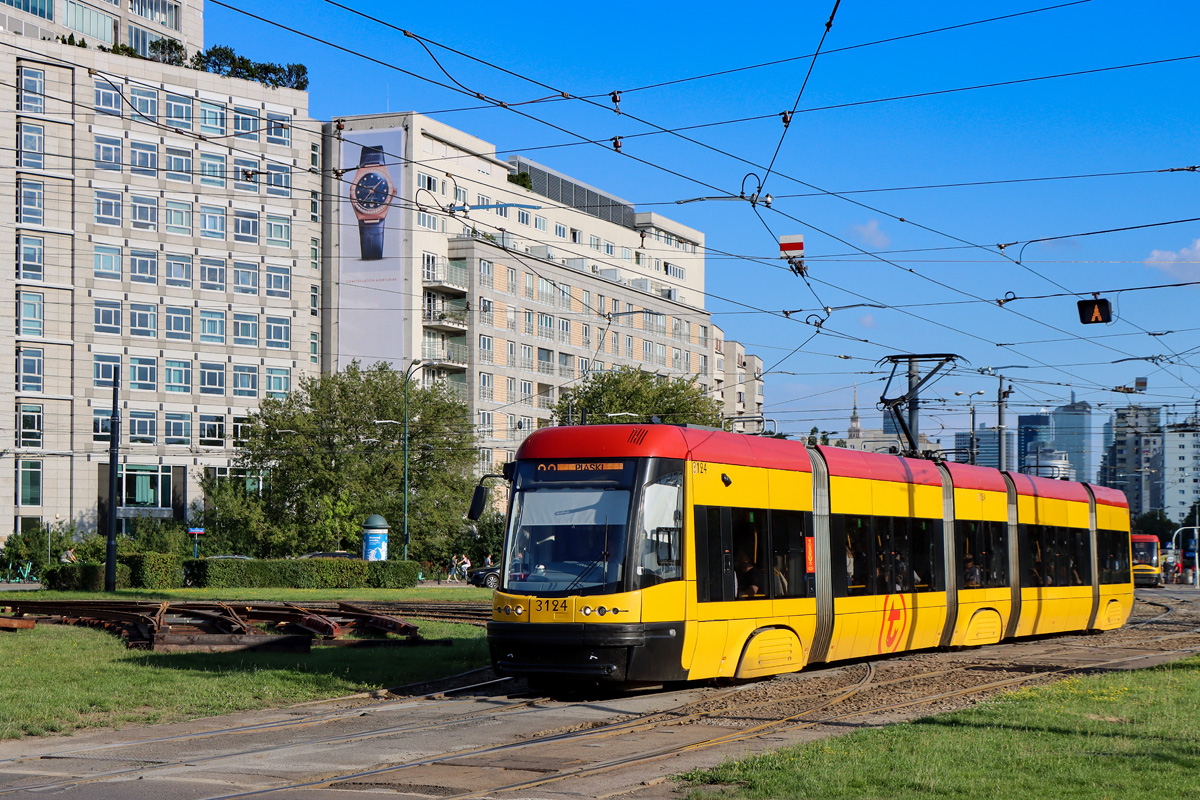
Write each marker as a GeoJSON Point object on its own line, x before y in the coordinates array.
{"type": "Point", "coordinates": [731, 561]}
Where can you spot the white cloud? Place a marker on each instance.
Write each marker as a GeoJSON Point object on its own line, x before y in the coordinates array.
{"type": "Point", "coordinates": [1179, 263]}
{"type": "Point", "coordinates": [867, 320]}
{"type": "Point", "coordinates": [870, 235]}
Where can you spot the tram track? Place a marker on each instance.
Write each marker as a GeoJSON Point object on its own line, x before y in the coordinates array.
{"type": "Point", "coordinates": [859, 693]}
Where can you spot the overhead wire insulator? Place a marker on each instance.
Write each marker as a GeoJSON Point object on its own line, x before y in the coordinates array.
{"type": "Point", "coordinates": [616, 101]}
{"type": "Point", "coordinates": [787, 118]}
{"type": "Point", "coordinates": [616, 143]}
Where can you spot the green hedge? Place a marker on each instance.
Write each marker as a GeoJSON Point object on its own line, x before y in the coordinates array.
{"type": "Point", "coordinates": [302, 573]}
{"type": "Point", "coordinates": [83, 577]}
{"type": "Point", "coordinates": [155, 570]}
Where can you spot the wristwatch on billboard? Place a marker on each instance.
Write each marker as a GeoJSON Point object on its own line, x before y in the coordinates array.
{"type": "Point", "coordinates": [371, 193]}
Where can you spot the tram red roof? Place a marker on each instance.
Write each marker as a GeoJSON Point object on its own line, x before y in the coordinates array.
{"type": "Point", "coordinates": [880, 467]}
{"type": "Point", "coordinates": [1109, 497]}
{"type": "Point", "coordinates": [665, 441]}
{"type": "Point", "coordinates": [969, 476]}
{"type": "Point", "coordinates": [1046, 487]}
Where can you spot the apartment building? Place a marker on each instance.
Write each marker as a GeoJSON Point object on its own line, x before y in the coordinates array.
{"type": "Point", "coordinates": [506, 291]}
{"type": "Point", "coordinates": [1134, 461]}
{"type": "Point", "coordinates": [738, 383]}
{"type": "Point", "coordinates": [165, 229]}
{"type": "Point", "coordinates": [106, 23]}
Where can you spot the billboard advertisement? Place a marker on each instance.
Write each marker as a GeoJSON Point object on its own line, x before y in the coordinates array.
{"type": "Point", "coordinates": [372, 253]}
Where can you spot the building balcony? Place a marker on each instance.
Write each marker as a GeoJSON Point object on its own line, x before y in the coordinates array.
{"type": "Point", "coordinates": [448, 318]}
{"type": "Point", "coordinates": [545, 401]}
{"type": "Point", "coordinates": [487, 393]}
{"type": "Point", "coordinates": [565, 371]}
{"type": "Point", "coordinates": [447, 275]}
{"type": "Point", "coordinates": [450, 355]}
{"type": "Point", "coordinates": [546, 367]}
{"type": "Point", "coordinates": [487, 318]}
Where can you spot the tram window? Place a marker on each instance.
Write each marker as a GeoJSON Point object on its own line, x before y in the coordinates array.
{"type": "Point", "coordinates": [657, 551]}
{"type": "Point", "coordinates": [1113, 551]}
{"type": "Point", "coordinates": [1081, 558]}
{"type": "Point", "coordinates": [927, 560]}
{"type": "Point", "coordinates": [1032, 562]}
{"type": "Point", "coordinates": [711, 556]}
{"type": "Point", "coordinates": [788, 576]}
{"type": "Point", "coordinates": [884, 556]}
{"type": "Point", "coordinates": [859, 538]}
{"type": "Point", "coordinates": [982, 554]}
{"type": "Point", "coordinates": [750, 552]}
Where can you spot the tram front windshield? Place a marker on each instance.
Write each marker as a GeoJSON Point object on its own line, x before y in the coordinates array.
{"type": "Point", "coordinates": [569, 527]}
{"type": "Point", "coordinates": [1145, 553]}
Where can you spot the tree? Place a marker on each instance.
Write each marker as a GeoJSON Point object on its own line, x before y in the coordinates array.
{"type": "Point", "coordinates": [1155, 523]}
{"type": "Point", "coordinates": [168, 51]}
{"type": "Point", "coordinates": [628, 394]}
{"type": "Point", "coordinates": [36, 543]}
{"type": "Point", "coordinates": [331, 453]}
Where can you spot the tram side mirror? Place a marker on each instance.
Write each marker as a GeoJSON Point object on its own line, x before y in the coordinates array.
{"type": "Point", "coordinates": [479, 502]}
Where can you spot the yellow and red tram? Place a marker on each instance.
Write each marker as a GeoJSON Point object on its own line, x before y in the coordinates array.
{"type": "Point", "coordinates": [665, 553]}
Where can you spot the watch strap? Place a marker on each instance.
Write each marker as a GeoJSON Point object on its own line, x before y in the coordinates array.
{"type": "Point", "coordinates": [370, 237]}
{"type": "Point", "coordinates": [371, 155]}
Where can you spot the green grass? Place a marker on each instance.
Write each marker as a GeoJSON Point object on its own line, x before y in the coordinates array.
{"type": "Point", "coordinates": [57, 678]}
{"type": "Point", "coordinates": [1121, 735]}
{"type": "Point", "coordinates": [452, 593]}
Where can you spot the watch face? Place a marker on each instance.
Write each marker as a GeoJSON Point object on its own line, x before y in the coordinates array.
{"type": "Point", "coordinates": [371, 191]}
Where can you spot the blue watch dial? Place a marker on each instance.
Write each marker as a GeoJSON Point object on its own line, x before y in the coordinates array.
{"type": "Point", "coordinates": [371, 191]}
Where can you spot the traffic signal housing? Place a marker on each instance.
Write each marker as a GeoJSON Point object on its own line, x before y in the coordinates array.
{"type": "Point", "coordinates": [1094, 311]}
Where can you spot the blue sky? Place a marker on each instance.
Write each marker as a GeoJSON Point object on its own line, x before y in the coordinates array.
{"type": "Point", "coordinates": [938, 295]}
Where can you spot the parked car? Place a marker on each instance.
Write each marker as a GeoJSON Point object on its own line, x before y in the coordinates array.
{"type": "Point", "coordinates": [334, 554]}
{"type": "Point", "coordinates": [239, 558]}
{"type": "Point", "coordinates": [485, 576]}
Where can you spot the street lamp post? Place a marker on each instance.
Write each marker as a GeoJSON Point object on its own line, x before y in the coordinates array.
{"type": "Point", "coordinates": [971, 404]}
{"type": "Point", "coordinates": [407, 377]}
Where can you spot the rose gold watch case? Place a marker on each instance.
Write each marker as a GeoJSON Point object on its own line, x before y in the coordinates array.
{"type": "Point", "coordinates": [381, 212]}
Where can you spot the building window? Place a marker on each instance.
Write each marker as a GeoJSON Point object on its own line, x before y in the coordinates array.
{"type": "Point", "coordinates": [314, 348]}
{"type": "Point", "coordinates": [245, 123]}
{"type": "Point", "coordinates": [245, 330]}
{"type": "Point", "coordinates": [143, 159]}
{"type": "Point", "coordinates": [314, 300]}
{"type": "Point", "coordinates": [104, 369]}
{"type": "Point", "coordinates": [426, 220]}
{"type": "Point", "coordinates": [245, 278]}
{"type": "Point", "coordinates": [164, 12]}
{"type": "Point", "coordinates": [177, 376]}
{"type": "Point", "coordinates": [143, 373]}
{"type": "Point", "coordinates": [33, 199]}
{"type": "Point", "coordinates": [32, 95]}
{"type": "Point", "coordinates": [31, 482]}
{"type": "Point", "coordinates": [108, 97]}
{"type": "Point", "coordinates": [108, 153]}
{"type": "Point", "coordinates": [212, 118]}
{"type": "Point", "coordinates": [178, 323]}
{"type": "Point", "coordinates": [143, 320]}
{"type": "Point", "coordinates": [314, 253]}
{"type": "Point", "coordinates": [108, 208]}
{"type": "Point", "coordinates": [144, 101]}
{"type": "Point", "coordinates": [212, 378]}
{"type": "Point", "coordinates": [279, 129]}
{"type": "Point", "coordinates": [32, 139]}
{"type": "Point", "coordinates": [279, 382]}
{"type": "Point", "coordinates": [245, 381]}
{"type": "Point", "coordinates": [212, 222]}
{"type": "Point", "coordinates": [177, 428]}
{"type": "Point", "coordinates": [178, 164]}
{"type": "Point", "coordinates": [177, 218]}
{"type": "Point", "coordinates": [30, 369]}
{"type": "Point", "coordinates": [177, 270]}
{"type": "Point", "coordinates": [143, 213]}
{"type": "Point", "coordinates": [106, 262]}
{"type": "Point", "coordinates": [31, 314]}
{"type": "Point", "coordinates": [212, 430]}
{"type": "Point", "coordinates": [279, 231]}
{"type": "Point", "coordinates": [101, 425]}
{"type": "Point", "coordinates": [31, 258]}
{"type": "Point", "coordinates": [143, 266]}
{"type": "Point", "coordinates": [314, 207]}
{"type": "Point", "coordinates": [108, 317]}
{"type": "Point", "coordinates": [279, 181]}
{"type": "Point", "coordinates": [279, 281]}
{"type": "Point", "coordinates": [245, 227]}
{"type": "Point", "coordinates": [245, 175]}
{"type": "Point", "coordinates": [212, 170]}
{"type": "Point", "coordinates": [179, 112]}
{"type": "Point", "coordinates": [212, 327]}
{"type": "Point", "coordinates": [279, 332]}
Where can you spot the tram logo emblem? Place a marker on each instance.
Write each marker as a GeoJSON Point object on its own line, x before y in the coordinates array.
{"type": "Point", "coordinates": [895, 623]}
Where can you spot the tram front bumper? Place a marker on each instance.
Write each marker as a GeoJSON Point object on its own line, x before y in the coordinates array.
{"type": "Point", "coordinates": [611, 652]}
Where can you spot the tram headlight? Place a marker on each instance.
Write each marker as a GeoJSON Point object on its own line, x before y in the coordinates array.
{"type": "Point", "coordinates": [508, 610]}
{"type": "Point", "coordinates": [602, 611]}
{"type": "Point", "coordinates": [587, 611]}
{"type": "Point", "coordinates": [520, 610]}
